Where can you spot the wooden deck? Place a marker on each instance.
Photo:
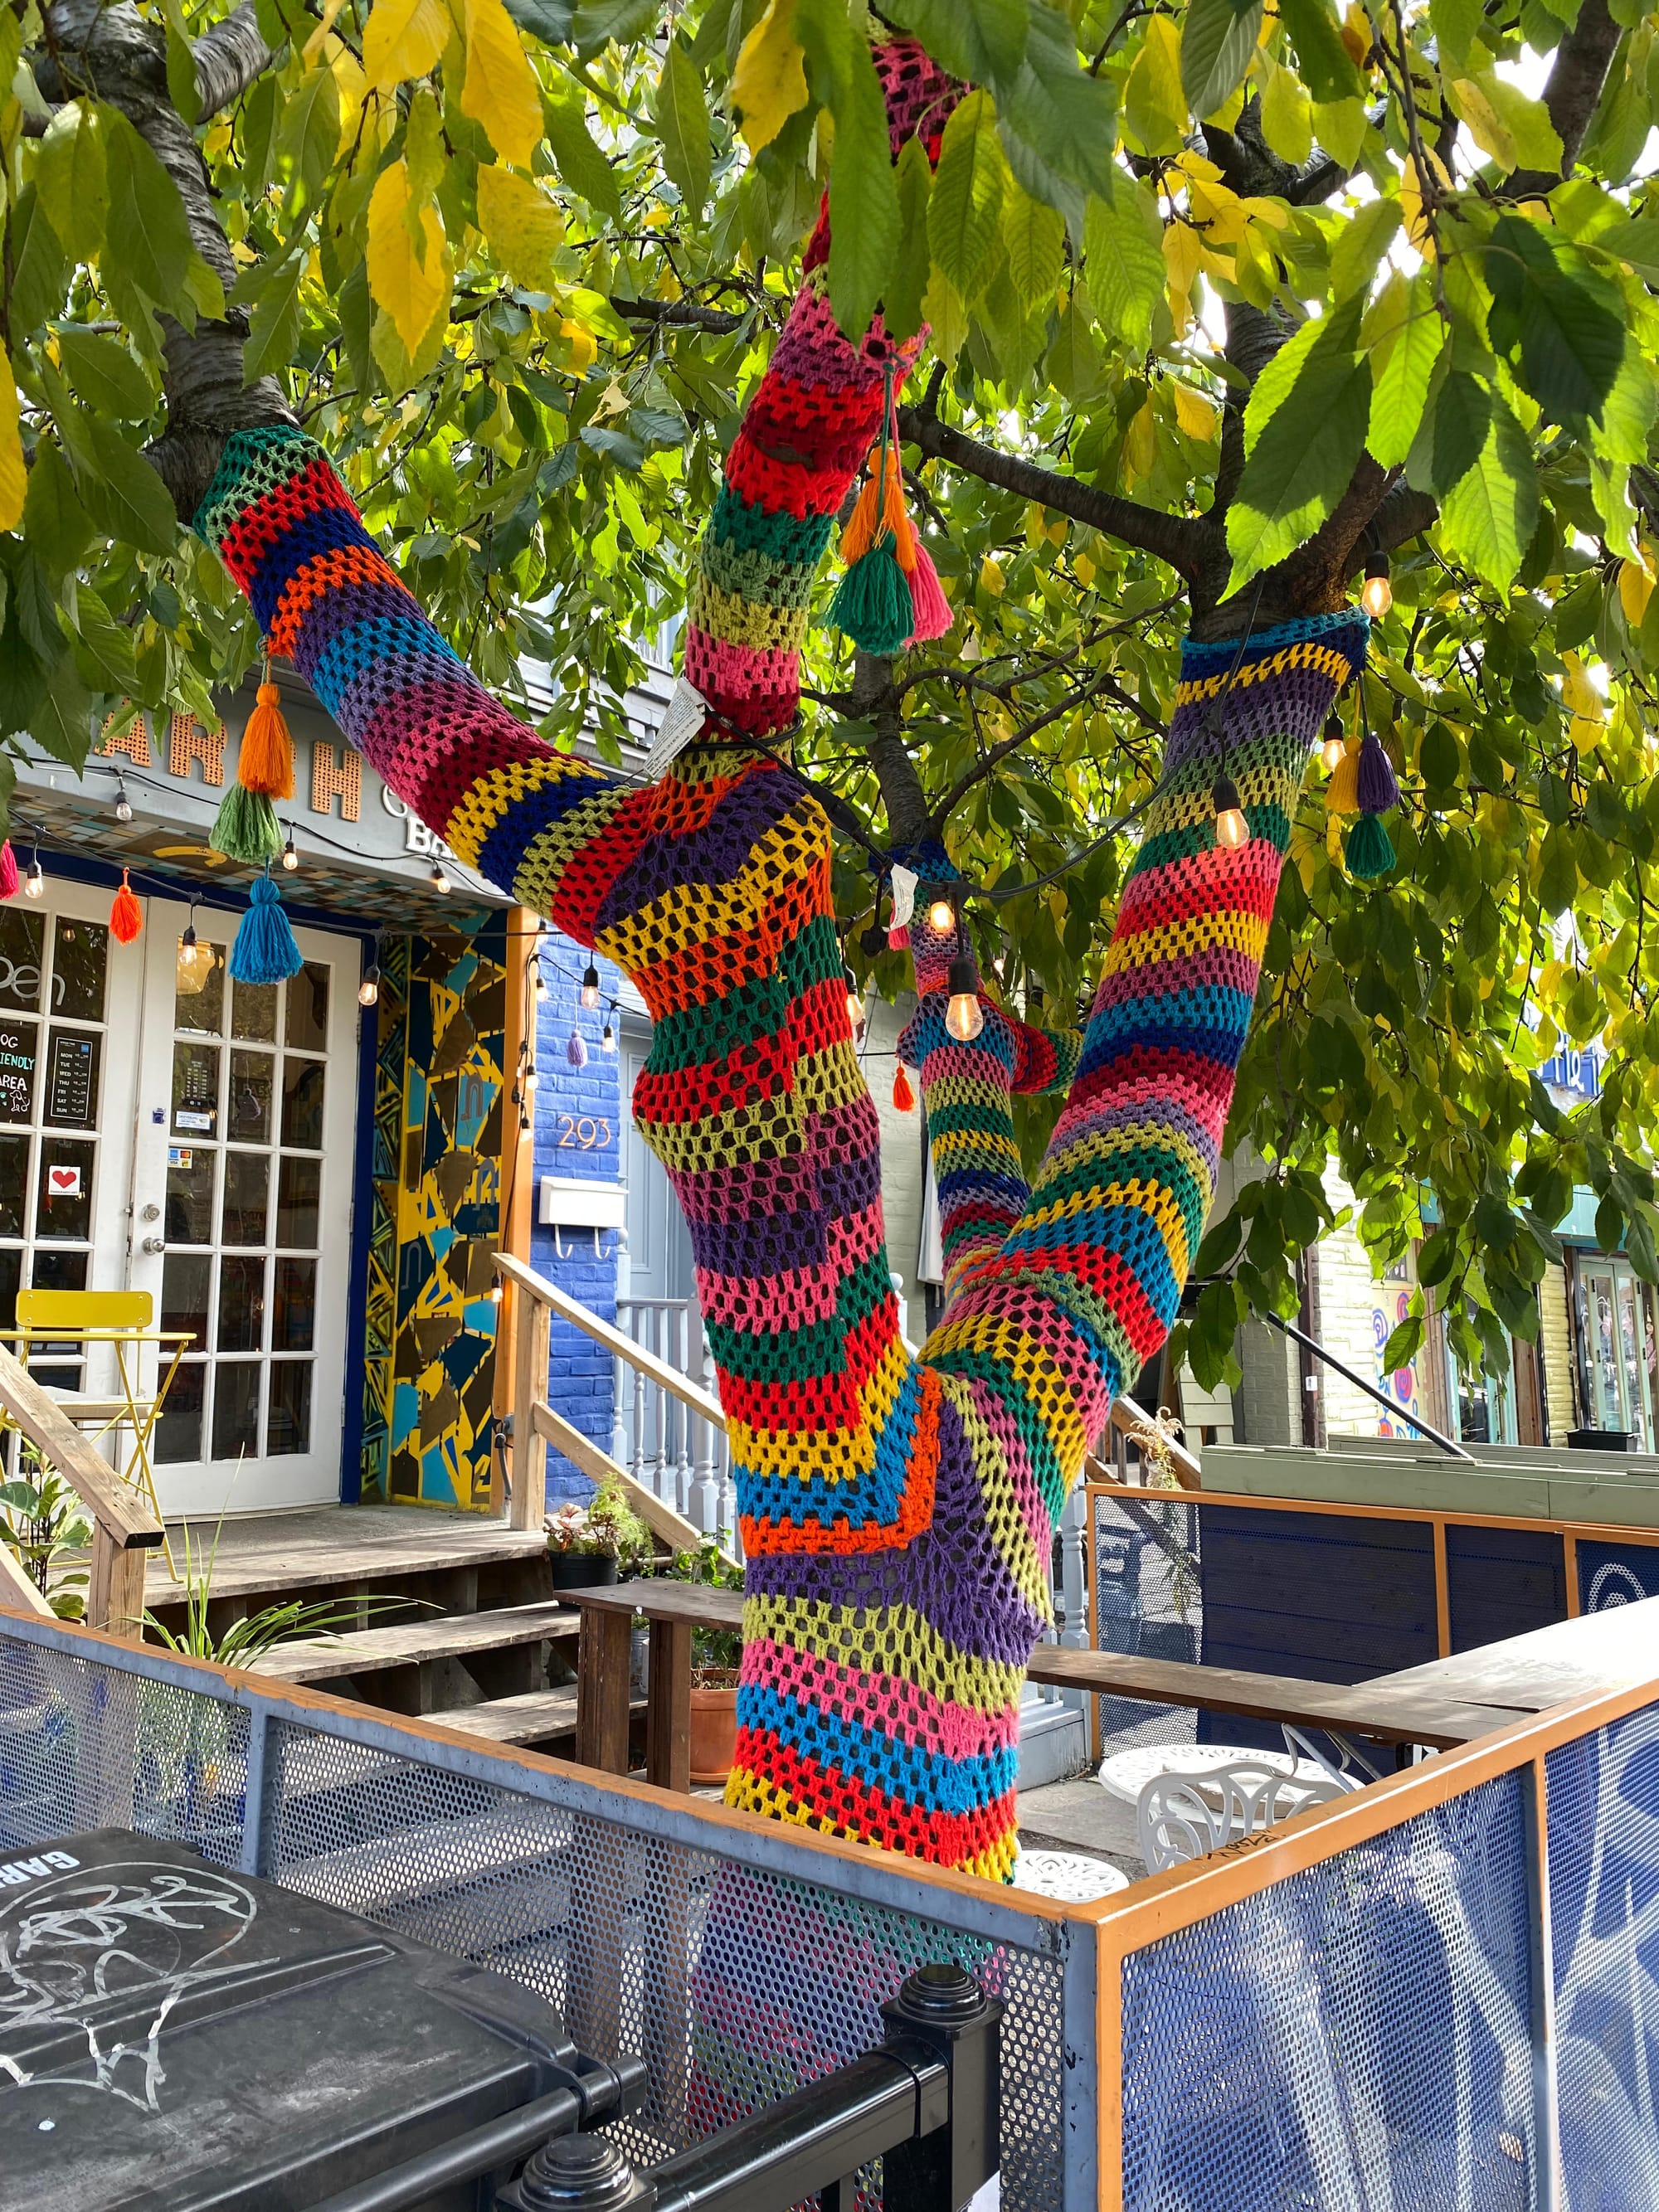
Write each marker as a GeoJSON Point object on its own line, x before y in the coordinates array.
{"type": "Point", "coordinates": [336, 1547]}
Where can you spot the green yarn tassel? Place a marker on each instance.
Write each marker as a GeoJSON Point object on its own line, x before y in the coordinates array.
{"type": "Point", "coordinates": [246, 828]}
{"type": "Point", "coordinates": [873, 601]}
{"type": "Point", "coordinates": [1369, 851]}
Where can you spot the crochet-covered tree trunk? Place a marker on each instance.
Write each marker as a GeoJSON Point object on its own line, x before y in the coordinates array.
{"type": "Point", "coordinates": [897, 1512]}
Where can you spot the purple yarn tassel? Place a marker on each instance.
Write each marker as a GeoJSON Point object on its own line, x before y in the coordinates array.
{"type": "Point", "coordinates": [1379, 790]}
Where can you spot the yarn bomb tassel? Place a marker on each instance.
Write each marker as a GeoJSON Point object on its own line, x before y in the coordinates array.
{"type": "Point", "coordinates": [904, 1099]}
{"type": "Point", "coordinates": [246, 828]}
{"type": "Point", "coordinates": [576, 1050]}
{"type": "Point", "coordinates": [1376, 786]}
{"type": "Point", "coordinates": [126, 916]}
{"type": "Point", "coordinates": [873, 601]}
{"type": "Point", "coordinates": [930, 610]}
{"type": "Point", "coordinates": [264, 951]}
{"type": "Point", "coordinates": [8, 871]}
{"type": "Point", "coordinates": [265, 762]}
{"type": "Point", "coordinates": [1369, 850]}
{"type": "Point", "coordinates": [1342, 791]}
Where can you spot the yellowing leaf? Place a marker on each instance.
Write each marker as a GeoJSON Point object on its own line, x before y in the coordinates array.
{"type": "Point", "coordinates": [1154, 104]}
{"type": "Point", "coordinates": [584, 346]}
{"type": "Point", "coordinates": [1578, 692]}
{"type": "Point", "coordinates": [404, 39]}
{"type": "Point", "coordinates": [499, 91]}
{"type": "Point", "coordinates": [522, 225]}
{"type": "Point", "coordinates": [14, 477]}
{"type": "Point", "coordinates": [990, 576]}
{"type": "Point", "coordinates": [768, 83]}
{"type": "Point", "coordinates": [1411, 206]}
{"type": "Point", "coordinates": [1182, 250]}
{"type": "Point", "coordinates": [413, 287]}
{"type": "Point", "coordinates": [1084, 569]}
{"type": "Point", "coordinates": [1196, 415]}
{"type": "Point", "coordinates": [1635, 590]}
{"type": "Point", "coordinates": [1140, 442]}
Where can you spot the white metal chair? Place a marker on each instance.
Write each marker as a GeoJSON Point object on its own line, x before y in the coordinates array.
{"type": "Point", "coordinates": [1177, 1818]}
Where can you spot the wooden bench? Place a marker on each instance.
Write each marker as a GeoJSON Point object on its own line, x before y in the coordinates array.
{"type": "Point", "coordinates": [1376, 1709]}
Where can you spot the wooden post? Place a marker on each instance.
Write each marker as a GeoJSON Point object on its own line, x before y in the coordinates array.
{"type": "Point", "coordinates": [115, 1599]}
{"type": "Point", "coordinates": [602, 1691]}
{"type": "Point", "coordinates": [668, 1707]}
{"type": "Point", "coordinates": [534, 1331]}
{"type": "Point", "coordinates": [518, 1176]}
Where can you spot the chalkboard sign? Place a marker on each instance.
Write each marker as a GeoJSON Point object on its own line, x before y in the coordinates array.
{"type": "Point", "coordinates": [69, 1070]}
{"type": "Point", "coordinates": [19, 1045]}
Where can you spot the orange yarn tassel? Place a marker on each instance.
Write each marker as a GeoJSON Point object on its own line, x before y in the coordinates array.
{"type": "Point", "coordinates": [903, 1097]}
{"type": "Point", "coordinates": [126, 916]}
{"type": "Point", "coordinates": [1342, 791]}
{"type": "Point", "coordinates": [880, 508]}
{"type": "Point", "coordinates": [266, 761]}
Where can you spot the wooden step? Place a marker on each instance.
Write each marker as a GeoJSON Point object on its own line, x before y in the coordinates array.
{"type": "Point", "coordinates": [528, 1719]}
{"type": "Point", "coordinates": [455, 1636]}
{"type": "Point", "coordinates": [359, 1547]}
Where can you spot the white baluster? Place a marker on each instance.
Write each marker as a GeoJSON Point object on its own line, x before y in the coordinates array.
{"type": "Point", "coordinates": [1073, 1526]}
{"type": "Point", "coordinates": [704, 1509]}
{"type": "Point", "coordinates": [683, 1414]}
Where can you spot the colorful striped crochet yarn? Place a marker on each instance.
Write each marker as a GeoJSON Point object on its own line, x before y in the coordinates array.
{"type": "Point", "coordinates": [898, 1512]}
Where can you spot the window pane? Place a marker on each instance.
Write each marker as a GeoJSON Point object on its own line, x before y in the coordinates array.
{"type": "Point", "coordinates": [241, 1305]}
{"type": "Point", "coordinates": [287, 1425]}
{"type": "Point", "coordinates": [236, 1409]}
{"type": "Point", "coordinates": [297, 1196]}
{"type": "Point", "coordinates": [247, 1197]}
{"type": "Point", "coordinates": [11, 1276]}
{"type": "Point", "coordinates": [178, 1429]}
{"type": "Point", "coordinates": [19, 1046]}
{"type": "Point", "coordinates": [307, 1008]}
{"type": "Point", "coordinates": [73, 1059]}
{"type": "Point", "coordinates": [199, 995]}
{"type": "Point", "coordinates": [190, 1194]}
{"type": "Point", "coordinates": [195, 1088]}
{"type": "Point", "coordinates": [21, 936]}
{"type": "Point", "coordinates": [248, 1113]}
{"type": "Point", "coordinates": [253, 1012]}
{"type": "Point", "coordinates": [293, 1321]}
{"type": "Point", "coordinates": [58, 1271]}
{"type": "Point", "coordinates": [14, 1183]}
{"type": "Point", "coordinates": [302, 1102]}
{"type": "Point", "coordinates": [78, 960]}
{"type": "Point", "coordinates": [66, 1201]}
{"type": "Point", "coordinates": [185, 1295]}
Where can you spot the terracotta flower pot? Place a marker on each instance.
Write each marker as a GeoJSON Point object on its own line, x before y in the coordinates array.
{"type": "Point", "coordinates": [713, 1728]}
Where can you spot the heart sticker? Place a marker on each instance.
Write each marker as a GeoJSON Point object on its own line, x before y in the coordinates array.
{"type": "Point", "coordinates": [64, 1182]}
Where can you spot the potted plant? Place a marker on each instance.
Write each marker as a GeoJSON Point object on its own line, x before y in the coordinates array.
{"type": "Point", "coordinates": [715, 1653]}
{"type": "Point", "coordinates": [588, 1544]}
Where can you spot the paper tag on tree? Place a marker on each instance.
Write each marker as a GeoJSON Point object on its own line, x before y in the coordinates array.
{"type": "Point", "coordinates": [686, 714]}
{"type": "Point", "coordinates": [904, 895]}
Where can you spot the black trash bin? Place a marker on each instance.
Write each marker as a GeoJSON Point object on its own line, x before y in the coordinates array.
{"type": "Point", "coordinates": [174, 2037]}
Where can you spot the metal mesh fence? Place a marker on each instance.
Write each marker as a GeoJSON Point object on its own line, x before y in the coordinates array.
{"type": "Point", "coordinates": [1602, 1799]}
{"type": "Point", "coordinates": [1355, 2036]}
{"type": "Point", "coordinates": [1149, 1604]}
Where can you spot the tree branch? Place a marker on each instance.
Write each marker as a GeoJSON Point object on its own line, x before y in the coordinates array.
{"type": "Point", "coordinates": [874, 699]}
{"type": "Point", "coordinates": [229, 58]}
{"type": "Point", "coordinates": [1403, 514]}
{"type": "Point", "coordinates": [1572, 91]}
{"type": "Point", "coordinates": [690, 313]}
{"type": "Point", "coordinates": [1184, 545]}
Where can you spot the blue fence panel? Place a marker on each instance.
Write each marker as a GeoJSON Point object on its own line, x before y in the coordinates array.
{"type": "Point", "coordinates": [1615, 1574]}
{"type": "Point", "coordinates": [1603, 1797]}
{"type": "Point", "coordinates": [1503, 1582]}
{"type": "Point", "coordinates": [1355, 2037]}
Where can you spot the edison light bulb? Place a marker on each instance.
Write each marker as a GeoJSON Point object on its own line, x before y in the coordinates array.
{"type": "Point", "coordinates": [941, 917]}
{"type": "Point", "coordinates": [855, 1002]}
{"type": "Point", "coordinates": [590, 990]}
{"type": "Point", "coordinates": [123, 804]}
{"type": "Point", "coordinates": [1331, 752]}
{"type": "Point", "coordinates": [1231, 826]}
{"type": "Point", "coordinates": [369, 990]}
{"type": "Point", "coordinates": [1377, 596]}
{"type": "Point", "coordinates": [290, 854]}
{"type": "Point", "coordinates": [964, 1017]}
{"type": "Point", "coordinates": [439, 881]}
{"type": "Point", "coordinates": [607, 1039]}
{"type": "Point", "coordinates": [34, 883]}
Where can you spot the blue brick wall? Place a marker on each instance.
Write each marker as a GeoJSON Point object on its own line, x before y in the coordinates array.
{"type": "Point", "coordinates": [574, 1105]}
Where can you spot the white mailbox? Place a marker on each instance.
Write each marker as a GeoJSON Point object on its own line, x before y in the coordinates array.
{"type": "Point", "coordinates": [577, 1202]}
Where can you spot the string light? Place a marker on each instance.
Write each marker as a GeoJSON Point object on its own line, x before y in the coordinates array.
{"type": "Point", "coordinates": [590, 990]}
{"type": "Point", "coordinates": [440, 880]}
{"type": "Point", "coordinates": [34, 883]}
{"type": "Point", "coordinates": [123, 804]}
{"type": "Point", "coordinates": [541, 983]}
{"type": "Point", "coordinates": [368, 991]}
{"type": "Point", "coordinates": [941, 916]}
{"type": "Point", "coordinates": [495, 1292]}
{"type": "Point", "coordinates": [854, 999]}
{"type": "Point", "coordinates": [195, 962]}
{"type": "Point", "coordinates": [291, 855]}
{"type": "Point", "coordinates": [1335, 744]}
{"type": "Point", "coordinates": [607, 1039]}
{"type": "Point", "coordinates": [1230, 827]}
{"type": "Point", "coordinates": [529, 1077]}
{"type": "Point", "coordinates": [1377, 596]}
{"type": "Point", "coordinates": [964, 1017]}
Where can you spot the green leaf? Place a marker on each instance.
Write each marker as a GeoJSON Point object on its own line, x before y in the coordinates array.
{"type": "Point", "coordinates": [1362, 241]}
{"type": "Point", "coordinates": [1034, 242]}
{"type": "Point", "coordinates": [913, 175]}
{"type": "Point", "coordinates": [126, 499]}
{"type": "Point", "coordinates": [105, 375]}
{"type": "Point", "coordinates": [1405, 1342]}
{"type": "Point", "coordinates": [581, 165]}
{"type": "Point", "coordinates": [309, 130]}
{"type": "Point", "coordinates": [864, 209]}
{"type": "Point", "coordinates": [1323, 63]}
{"type": "Point", "coordinates": [1456, 25]}
{"type": "Point", "coordinates": [182, 88]}
{"type": "Point", "coordinates": [274, 327]}
{"type": "Point", "coordinates": [1488, 518]}
{"type": "Point", "coordinates": [1567, 320]}
{"type": "Point", "coordinates": [598, 22]}
{"type": "Point", "coordinates": [1304, 430]}
{"type": "Point", "coordinates": [69, 177]}
{"type": "Point", "coordinates": [103, 647]}
{"type": "Point", "coordinates": [1154, 105]}
{"type": "Point", "coordinates": [148, 237]}
{"type": "Point", "coordinates": [55, 522]}
{"type": "Point", "coordinates": [40, 273]}
{"type": "Point", "coordinates": [1339, 127]}
{"type": "Point", "coordinates": [1058, 123]}
{"type": "Point", "coordinates": [261, 113]}
{"type": "Point", "coordinates": [681, 115]}
{"type": "Point", "coordinates": [1436, 1258]}
{"type": "Point", "coordinates": [978, 41]}
{"type": "Point", "coordinates": [61, 720]}
{"type": "Point", "coordinates": [1402, 367]}
{"type": "Point", "coordinates": [1217, 38]}
{"type": "Point", "coordinates": [1457, 418]}
{"type": "Point", "coordinates": [967, 196]}
{"type": "Point", "coordinates": [1124, 264]}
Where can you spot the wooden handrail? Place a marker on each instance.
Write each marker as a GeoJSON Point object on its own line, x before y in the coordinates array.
{"type": "Point", "coordinates": [17, 1587]}
{"type": "Point", "coordinates": [615, 1340]}
{"type": "Point", "coordinates": [123, 1528]}
{"type": "Point", "coordinates": [1130, 1422]}
{"type": "Point", "coordinates": [659, 1517]}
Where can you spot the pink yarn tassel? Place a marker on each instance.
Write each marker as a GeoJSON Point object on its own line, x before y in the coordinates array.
{"type": "Point", "coordinates": [898, 938]}
{"type": "Point", "coordinates": [8, 871]}
{"type": "Point", "coordinates": [932, 608]}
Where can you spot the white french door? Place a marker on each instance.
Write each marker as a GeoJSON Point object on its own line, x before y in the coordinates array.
{"type": "Point", "coordinates": [242, 1212]}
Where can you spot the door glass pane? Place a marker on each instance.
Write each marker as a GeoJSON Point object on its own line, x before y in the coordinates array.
{"type": "Point", "coordinates": [184, 1277]}
{"type": "Point", "coordinates": [288, 1425]}
{"type": "Point", "coordinates": [1630, 1354]}
{"type": "Point", "coordinates": [195, 1088]}
{"type": "Point", "coordinates": [65, 1199]}
{"type": "Point", "coordinates": [297, 1195]}
{"type": "Point", "coordinates": [178, 1429]}
{"type": "Point", "coordinates": [199, 999]}
{"type": "Point", "coordinates": [79, 960]}
{"type": "Point", "coordinates": [59, 1271]}
{"type": "Point", "coordinates": [190, 1194]}
{"type": "Point", "coordinates": [241, 1303]}
{"type": "Point", "coordinates": [307, 1008]}
{"type": "Point", "coordinates": [19, 1046]}
{"type": "Point", "coordinates": [302, 1102]}
{"type": "Point", "coordinates": [293, 1320]}
{"type": "Point", "coordinates": [22, 937]}
{"type": "Point", "coordinates": [14, 1183]}
{"type": "Point", "coordinates": [73, 1059]}
{"type": "Point", "coordinates": [236, 1409]}
{"type": "Point", "coordinates": [248, 1113]}
{"type": "Point", "coordinates": [1608, 1411]}
{"type": "Point", "coordinates": [11, 1277]}
{"type": "Point", "coordinates": [247, 1197]}
{"type": "Point", "coordinates": [253, 1012]}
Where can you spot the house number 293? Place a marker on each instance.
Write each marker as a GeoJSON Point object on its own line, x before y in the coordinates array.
{"type": "Point", "coordinates": [582, 1136]}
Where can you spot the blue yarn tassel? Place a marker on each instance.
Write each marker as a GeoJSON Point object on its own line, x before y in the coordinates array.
{"type": "Point", "coordinates": [576, 1050]}
{"type": "Point", "coordinates": [1378, 786]}
{"type": "Point", "coordinates": [264, 951]}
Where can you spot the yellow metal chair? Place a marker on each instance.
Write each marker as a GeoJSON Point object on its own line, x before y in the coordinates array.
{"type": "Point", "coordinates": [50, 1322]}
